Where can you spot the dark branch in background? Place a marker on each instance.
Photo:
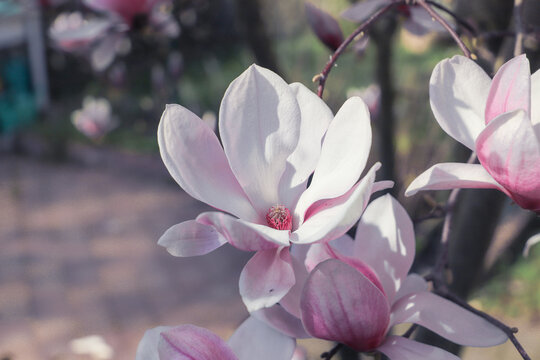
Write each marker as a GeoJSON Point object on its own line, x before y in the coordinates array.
{"type": "Point", "coordinates": [456, 17]}
{"type": "Point", "coordinates": [440, 19]}
{"type": "Point", "coordinates": [442, 261]}
{"type": "Point", "coordinates": [329, 354]}
{"type": "Point", "coordinates": [518, 25]}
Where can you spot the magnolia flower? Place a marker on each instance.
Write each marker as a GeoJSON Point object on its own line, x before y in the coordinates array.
{"type": "Point", "coordinates": [275, 136]}
{"type": "Point", "coordinates": [94, 119]}
{"type": "Point", "coordinates": [418, 20]}
{"type": "Point", "coordinates": [358, 290]}
{"type": "Point", "coordinates": [252, 340]}
{"type": "Point", "coordinates": [496, 119]}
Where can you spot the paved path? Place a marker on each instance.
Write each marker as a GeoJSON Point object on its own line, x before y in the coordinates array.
{"type": "Point", "coordinates": [78, 256]}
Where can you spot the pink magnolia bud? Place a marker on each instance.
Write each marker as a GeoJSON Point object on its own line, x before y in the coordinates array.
{"type": "Point", "coordinates": [324, 26]}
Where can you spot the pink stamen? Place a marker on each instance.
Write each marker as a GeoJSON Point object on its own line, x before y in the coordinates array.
{"type": "Point", "coordinates": [279, 217]}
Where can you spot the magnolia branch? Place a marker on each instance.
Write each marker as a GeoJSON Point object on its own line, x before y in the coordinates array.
{"type": "Point", "coordinates": [329, 354]}
{"type": "Point", "coordinates": [358, 32]}
{"type": "Point", "coordinates": [509, 331]}
{"type": "Point", "coordinates": [456, 17]}
{"type": "Point", "coordinates": [444, 23]}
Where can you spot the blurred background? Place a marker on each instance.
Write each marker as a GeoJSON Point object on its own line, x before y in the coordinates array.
{"type": "Point", "coordinates": [84, 195]}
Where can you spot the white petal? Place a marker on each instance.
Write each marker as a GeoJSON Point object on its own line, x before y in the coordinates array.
{"type": "Point", "coordinates": [256, 340]}
{"type": "Point", "coordinates": [413, 283]}
{"type": "Point", "coordinates": [282, 320]}
{"type": "Point", "coordinates": [385, 241]}
{"type": "Point", "coordinates": [243, 234]}
{"type": "Point", "coordinates": [334, 217]}
{"type": "Point", "coordinates": [447, 319]}
{"type": "Point", "coordinates": [535, 105]}
{"type": "Point", "coordinates": [148, 346]}
{"type": "Point", "coordinates": [191, 238]}
{"type": "Point", "coordinates": [458, 91]}
{"type": "Point", "coordinates": [447, 176]}
{"type": "Point", "coordinates": [400, 348]}
{"type": "Point", "coordinates": [344, 154]}
{"type": "Point", "coordinates": [266, 278]}
{"type": "Point", "coordinates": [316, 116]}
{"type": "Point", "coordinates": [192, 154]}
{"type": "Point", "coordinates": [259, 123]}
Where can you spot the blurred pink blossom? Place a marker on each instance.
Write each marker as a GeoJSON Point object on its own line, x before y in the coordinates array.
{"type": "Point", "coordinates": [274, 135]}
{"type": "Point", "coordinates": [496, 119]}
{"type": "Point", "coordinates": [95, 118]}
{"type": "Point", "coordinates": [371, 96]}
{"type": "Point", "coordinates": [356, 291]}
{"type": "Point", "coordinates": [72, 32]}
{"type": "Point", "coordinates": [252, 340]}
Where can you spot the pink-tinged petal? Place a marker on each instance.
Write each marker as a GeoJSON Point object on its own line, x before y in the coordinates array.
{"type": "Point", "coordinates": [382, 185]}
{"type": "Point", "coordinates": [343, 156]}
{"type": "Point", "coordinates": [400, 348]}
{"type": "Point", "coordinates": [299, 353]}
{"type": "Point", "coordinates": [191, 238]}
{"type": "Point", "coordinates": [447, 176]}
{"type": "Point", "coordinates": [446, 319]}
{"type": "Point", "coordinates": [259, 123]}
{"type": "Point", "coordinates": [282, 320]}
{"type": "Point", "coordinates": [458, 91]}
{"type": "Point", "coordinates": [291, 301]}
{"type": "Point", "coordinates": [245, 235]}
{"type": "Point", "coordinates": [413, 283]}
{"type": "Point", "coordinates": [316, 116]}
{"type": "Point", "coordinates": [189, 342]}
{"type": "Point", "coordinates": [319, 252]}
{"type": "Point", "coordinates": [76, 37]}
{"type": "Point", "coordinates": [329, 219]}
{"type": "Point", "coordinates": [266, 278]}
{"type": "Point", "coordinates": [104, 53]}
{"type": "Point", "coordinates": [385, 242]}
{"type": "Point", "coordinates": [535, 106]}
{"type": "Point", "coordinates": [510, 89]}
{"type": "Point", "coordinates": [324, 26]}
{"type": "Point", "coordinates": [510, 151]}
{"type": "Point", "coordinates": [148, 346]}
{"type": "Point", "coordinates": [256, 340]}
{"type": "Point", "coordinates": [362, 10]}
{"type": "Point", "coordinates": [341, 304]}
{"type": "Point", "coordinates": [195, 159]}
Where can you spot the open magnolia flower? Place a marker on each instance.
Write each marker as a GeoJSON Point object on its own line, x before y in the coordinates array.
{"type": "Point", "coordinates": [252, 340]}
{"type": "Point", "coordinates": [275, 136]}
{"type": "Point", "coordinates": [496, 119]}
{"type": "Point", "coordinates": [358, 290]}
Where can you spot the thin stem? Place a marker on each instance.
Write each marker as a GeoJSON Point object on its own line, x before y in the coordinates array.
{"type": "Point", "coordinates": [440, 19]}
{"type": "Point", "coordinates": [359, 30]}
{"type": "Point", "coordinates": [328, 355]}
{"type": "Point", "coordinates": [505, 328]}
{"type": "Point", "coordinates": [460, 21]}
{"type": "Point", "coordinates": [518, 11]}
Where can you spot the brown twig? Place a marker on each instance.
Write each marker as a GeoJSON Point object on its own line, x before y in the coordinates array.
{"type": "Point", "coordinates": [456, 17]}
{"type": "Point", "coordinates": [359, 31]}
{"type": "Point", "coordinates": [509, 331]}
{"type": "Point", "coordinates": [328, 355]}
{"type": "Point", "coordinates": [444, 23]}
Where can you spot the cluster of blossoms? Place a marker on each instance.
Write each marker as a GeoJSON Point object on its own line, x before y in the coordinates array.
{"type": "Point", "coordinates": [101, 39]}
{"type": "Point", "coordinates": [287, 181]}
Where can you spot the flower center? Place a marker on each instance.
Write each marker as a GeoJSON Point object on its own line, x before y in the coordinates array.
{"type": "Point", "coordinates": [279, 217]}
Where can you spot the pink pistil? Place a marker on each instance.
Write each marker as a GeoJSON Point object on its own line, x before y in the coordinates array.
{"type": "Point", "coordinates": [279, 217]}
